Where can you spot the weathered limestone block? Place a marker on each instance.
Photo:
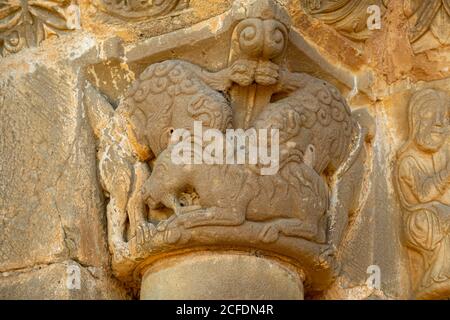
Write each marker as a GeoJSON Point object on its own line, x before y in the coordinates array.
{"type": "Point", "coordinates": [54, 282]}
{"type": "Point", "coordinates": [51, 206]}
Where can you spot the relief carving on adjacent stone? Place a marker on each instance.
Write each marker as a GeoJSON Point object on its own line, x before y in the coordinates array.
{"type": "Point", "coordinates": [126, 9]}
{"type": "Point", "coordinates": [429, 23]}
{"type": "Point", "coordinates": [300, 213]}
{"type": "Point", "coordinates": [348, 17]}
{"type": "Point", "coordinates": [25, 23]}
{"type": "Point", "coordinates": [423, 183]}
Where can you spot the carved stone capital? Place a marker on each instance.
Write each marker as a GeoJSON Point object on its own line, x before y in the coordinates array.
{"type": "Point", "coordinates": [296, 214]}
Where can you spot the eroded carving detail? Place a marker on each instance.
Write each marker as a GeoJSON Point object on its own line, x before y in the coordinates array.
{"type": "Point", "coordinates": [172, 207]}
{"type": "Point", "coordinates": [26, 23]}
{"type": "Point", "coordinates": [348, 17]}
{"type": "Point", "coordinates": [423, 180]}
{"type": "Point", "coordinates": [429, 23]}
{"type": "Point", "coordinates": [129, 9]}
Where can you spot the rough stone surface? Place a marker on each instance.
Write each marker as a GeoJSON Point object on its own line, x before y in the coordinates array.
{"type": "Point", "coordinates": [51, 206]}
{"type": "Point", "coordinates": [52, 282]}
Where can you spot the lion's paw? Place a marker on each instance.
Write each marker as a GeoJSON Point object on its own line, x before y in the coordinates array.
{"type": "Point", "coordinates": [172, 236]}
{"type": "Point", "coordinates": [269, 234]}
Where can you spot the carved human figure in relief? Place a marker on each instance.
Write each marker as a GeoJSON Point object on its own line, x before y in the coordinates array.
{"type": "Point", "coordinates": [423, 178]}
{"type": "Point", "coordinates": [348, 17]}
